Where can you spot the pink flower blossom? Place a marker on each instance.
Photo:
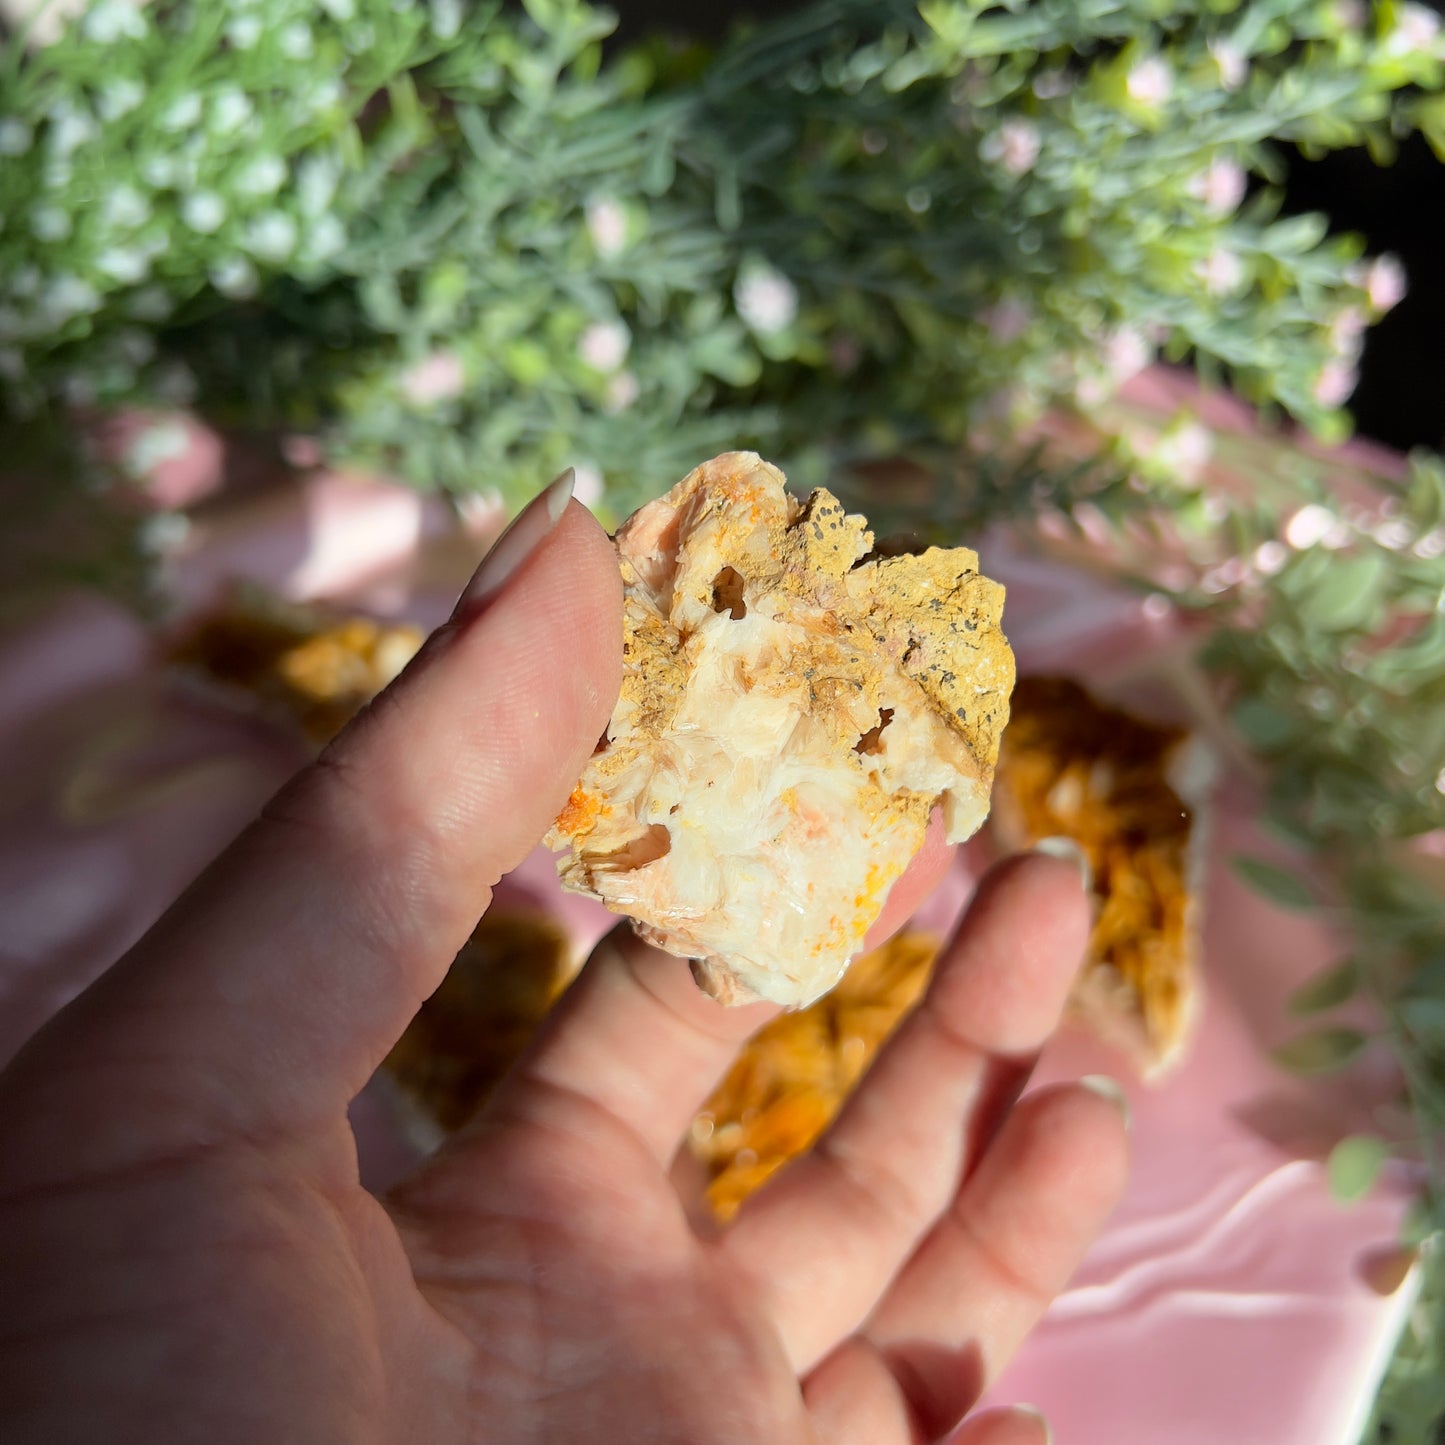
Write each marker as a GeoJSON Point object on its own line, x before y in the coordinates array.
{"type": "Point", "coordinates": [1335, 383]}
{"type": "Point", "coordinates": [607, 226]}
{"type": "Point", "coordinates": [437, 377]}
{"type": "Point", "coordinates": [1221, 186]}
{"type": "Point", "coordinates": [1014, 146]}
{"type": "Point", "coordinates": [604, 345]}
{"type": "Point", "coordinates": [1150, 83]}
{"type": "Point", "coordinates": [1222, 272]}
{"type": "Point", "coordinates": [1232, 62]}
{"type": "Point", "coordinates": [1384, 283]}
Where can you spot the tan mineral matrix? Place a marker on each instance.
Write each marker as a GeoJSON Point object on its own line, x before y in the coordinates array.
{"type": "Point", "coordinates": [789, 717]}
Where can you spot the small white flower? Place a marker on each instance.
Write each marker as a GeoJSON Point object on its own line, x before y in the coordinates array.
{"type": "Point", "coordinates": [244, 31]}
{"type": "Point", "coordinates": [1430, 546]}
{"type": "Point", "coordinates": [68, 296]}
{"type": "Point", "coordinates": [603, 346]}
{"type": "Point", "coordinates": [70, 128]}
{"type": "Point", "coordinates": [1335, 383]}
{"type": "Point", "coordinates": [182, 113]}
{"type": "Point", "coordinates": [119, 97]}
{"type": "Point", "coordinates": [438, 377]}
{"type": "Point", "coordinates": [1006, 320]}
{"type": "Point", "coordinates": [340, 10]}
{"type": "Point", "coordinates": [1309, 526]}
{"type": "Point", "coordinates": [446, 18]}
{"type": "Point", "coordinates": [1051, 84]}
{"type": "Point", "coordinates": [296, 41]}
{"type": "Point", "coordinates": [325, 93]}
{"type": "Point", "coordinates": [1222, 272]}
{"type": "Point", "coordinates": [1150, 83]}
{"type": "Point", "coordinates": [203, 211]}
{"type": "Point", "coordinates": [766, 300]}
{"type": "Point", "coordinates": [235, 277]}
{"type": "Point", "coordinates": [1269, 558]}
{"type": "Point", "coordinates": [622, 391]}
{"type": "Point", "coordinates": [1393, 535]}
{"type": "Point", "coordinates": [150, 304]}
{"type": "Point", "coordinates": [123, 264]}
{"type": "Point", "coordinates": [272, 237]}
{"type": "Point", "coordinates": [230, 110]}
{"type": "Point", "coordinates": [316, 180]}
{"type": "Point", "coordinates": [1232, 62]}
{"type": "Point", "coordinates": [1126, 353]}
{"type": "Point", "coordinates": [110, 20]}
{"type": "Point", "coordinates": [1014, 146]}
{"type": "Point", "coordinates": [50, 223]}
{"type": "Point", "coordinates": [1384, 283]}
{"type": "Point", "coordinates": [1416, 30]}
{"type": "Point", "coordinates": [164, 442]}
{"type": "Point", "coordinates": [1220, 185]}
{"type": "Point", "coordinates": [163, 533]}
{"type": "Point", "coordinates": [587, 483]}
{"type": "Point", "coordinates": [15, 137]}
{"type": "Point", "coordinates": [1157, 607]}
{"type": "Point", "coordinates": [124, 208]}
{"type": "Point", "coordinates": [607, 226]}
{"type": "Point", "coordinates": [160, 171]}
{"type": "Point", "coordinates": [263, 176]}
{"type": "Point", "coordinates": [1184, 450]}
{"type": "Point", "coordinates": [1440, 781]}
{"type": "Point", "coordinates": [326, 238]}
{"type": "Point", "coordinates": [1346, 333]}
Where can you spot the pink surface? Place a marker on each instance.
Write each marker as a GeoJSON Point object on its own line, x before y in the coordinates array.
{"type": "Point", "coordinates": [1226, 1299]}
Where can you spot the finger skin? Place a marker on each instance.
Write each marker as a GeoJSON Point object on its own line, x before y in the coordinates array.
{"type": "Point", "coordinates": [636, 1035]}
{"type": "Point", "coordinates": [895, 1157]}
{"type": "Point", "coordinates": [987, 1271]}
{"type": "Point", "coordinates": [269, 993]}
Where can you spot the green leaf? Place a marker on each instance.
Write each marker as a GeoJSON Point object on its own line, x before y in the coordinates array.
{"type": "Point", "coordinates": [1263, 725]}
{"type": "Point", "coordinates": [1319, 1052]}
{"type": "Point", "coordinates": [1326, 990]}
{"type": "Point", "coordinates": [1277, 884]}
{"type": "Point", "coordinates": [1354, 1165]}
{"type": "Point", "coordinates": [1348, 596]}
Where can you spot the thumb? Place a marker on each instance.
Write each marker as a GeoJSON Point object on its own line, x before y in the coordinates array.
{"type": "Point", "coordinates": [268, 994]}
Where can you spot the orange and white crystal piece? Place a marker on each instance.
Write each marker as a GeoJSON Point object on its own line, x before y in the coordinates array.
{"type": "Point", "coordinates": [790, 715]}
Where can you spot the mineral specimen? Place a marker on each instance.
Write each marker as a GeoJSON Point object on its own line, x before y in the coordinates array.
{"type": "Point", "coordinates": [1131, 794]}
{"type": "Point", "coordinates": [791, 712]}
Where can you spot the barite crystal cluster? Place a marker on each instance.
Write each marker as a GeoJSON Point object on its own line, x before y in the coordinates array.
{"type": "Point", "coordinates": [790, 715]}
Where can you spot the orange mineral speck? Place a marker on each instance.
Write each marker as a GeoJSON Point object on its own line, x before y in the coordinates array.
{"type": "Point", "coordinates": [580, 814]}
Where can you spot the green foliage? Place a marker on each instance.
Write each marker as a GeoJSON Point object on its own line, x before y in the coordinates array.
{"type": "Point", "coordinates": [1354, 1165]}
{"type": "Point", "coordinates": [456, 243]}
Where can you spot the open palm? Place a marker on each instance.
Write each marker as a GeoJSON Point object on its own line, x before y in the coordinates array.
{"type": "Point", "coordinates": [186, 1252]}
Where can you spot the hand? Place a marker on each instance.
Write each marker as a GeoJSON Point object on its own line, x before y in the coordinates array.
{"type": "Point", "coordinates": [186, 1253]}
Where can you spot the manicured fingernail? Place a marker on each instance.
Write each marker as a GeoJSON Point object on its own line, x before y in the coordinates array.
{"type": "Point", "coordinates": [1110, 1089]}
{"type": "Point", "coordinates": [1069, 850]}
{"type": "Point", "coordinates": [1038, 1415]}
{"type": "Point", "coordinates": [528, 530]}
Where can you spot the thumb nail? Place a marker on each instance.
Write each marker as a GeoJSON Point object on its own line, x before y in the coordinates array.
{"type": "Point", "coordinates": [509, 553]}
{"type": "Point", "coordinates": [1110, 1089]}
{"type": "Point", "coordinates": [1071, 851]}
{"type": "Point", "coordinates": [1038, 1415]}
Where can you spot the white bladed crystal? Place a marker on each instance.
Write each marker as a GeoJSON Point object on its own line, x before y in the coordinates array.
{"type": "Point", "coordinates": [789, 718]}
